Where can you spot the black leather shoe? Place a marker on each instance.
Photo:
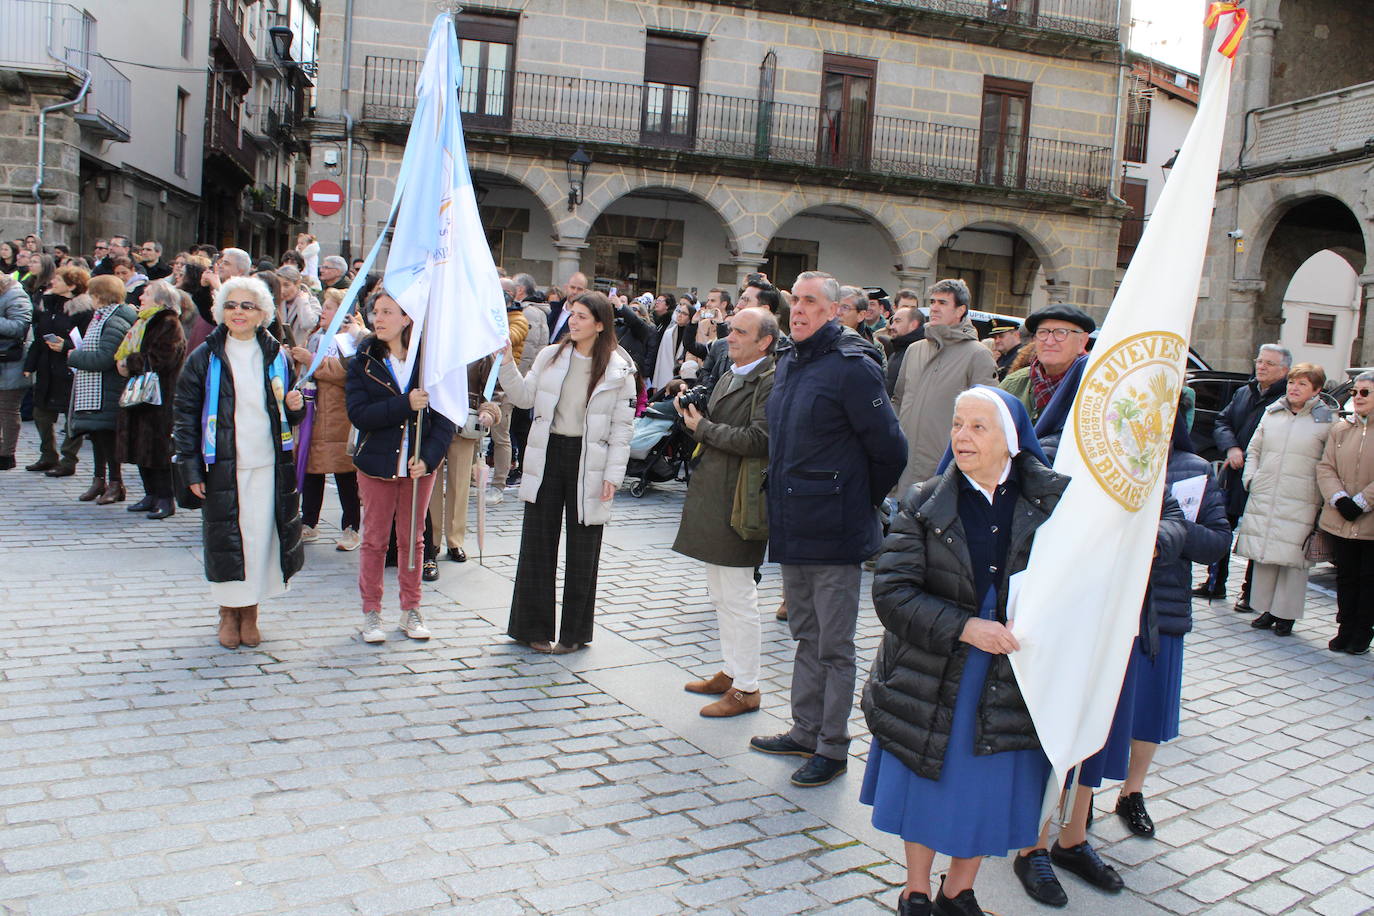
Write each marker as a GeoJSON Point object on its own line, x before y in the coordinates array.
{"type": "Point", "coordinates": [1357, 646]}
{"type": "Point", "coordinates": [41, 466]}
{"type": "Point", "coordinates": [164, 508]}
{"type": "Point", "coordinates": [431, 571]}
{"type": "Point", "coordinates": [962, 904]}
{"type": "Point", "coordinates": [1202, 591]}
{"type": "Point", "coordinates": [913, 905]}
{"type": "Point", "coordinates": [1339, 643]}
{"type": "Point", "coordinates": [62, 470]}
{"type": "Point", "coordinates": [457, 555]}
{"type": "Point", "coordinates": [780, 744]}
{"type": "Point", "coordinates": [1264, 621]}
{"type": "Point", "coordinates": [1283, 626]}
{"type": "Point", "coordinates": [1131, 809]}
{"type": "Point", "coordinates": [146, 504]}
{"type": "Point", "coordinates": [1084, 862]}
{"type": "Point", "coordinates": [1242, 607]}
{"type": "Point", "coordinates": [818, 771]}
{"type": "Point", "coordinates": [1038, 878]}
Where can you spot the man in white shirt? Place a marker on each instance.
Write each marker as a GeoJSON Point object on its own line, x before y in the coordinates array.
{"type": "Point", "coordinates": [558, 322]}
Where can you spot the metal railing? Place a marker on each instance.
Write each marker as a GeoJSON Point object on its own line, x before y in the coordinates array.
{"type": "Point", "coordinates": [1084, 18]}
{"type": "Point", "coordinates": [1331, 123]}
{"type": "Point", "coordinates": [596, 111]}
{"type": "Point", "coordinates": [224, 29]}
{"type": "Point", "coordinates": [110, 96]}
{"type": "Point", "coordinates": [44, 36]}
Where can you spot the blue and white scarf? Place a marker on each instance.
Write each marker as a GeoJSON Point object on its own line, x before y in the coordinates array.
{"type": "Point", "coordinates": [209, 411]}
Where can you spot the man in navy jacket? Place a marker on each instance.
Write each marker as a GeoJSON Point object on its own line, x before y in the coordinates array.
{"type": "Point", "coordinates": [835, 450]}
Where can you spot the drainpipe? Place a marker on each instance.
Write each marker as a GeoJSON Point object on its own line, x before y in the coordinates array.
{"type": "Point", "coordinates": [42, 148]}
{"type": "Point", "coordinates": [344, 86]}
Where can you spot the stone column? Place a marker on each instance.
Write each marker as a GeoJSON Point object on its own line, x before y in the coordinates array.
{"type": "Point", "coordinates": [746, 264]}
{"type": "Point", "coordinates": [568, 258]}
{"type": "Point", "coordinates": [1058, 293]}
{"type": "Point", "coordinates": [1259, 61]}
{"type": "Point", "coordinates": [919, 280]}
{"type": "Point", "coordinates": [1362, 353]}
{"type": "Point", "coordinates": [1242, 307]}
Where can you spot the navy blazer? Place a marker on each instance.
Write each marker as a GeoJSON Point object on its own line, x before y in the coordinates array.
{"type": "Point", "coordinates": [382, 414]}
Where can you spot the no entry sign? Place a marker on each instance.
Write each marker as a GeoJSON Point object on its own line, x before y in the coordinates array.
{"type": "Point", "coordinates": [326, 197]}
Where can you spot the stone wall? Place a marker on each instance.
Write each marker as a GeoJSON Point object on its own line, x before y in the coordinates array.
{"type": "Point", "coordinates": [18, 165]}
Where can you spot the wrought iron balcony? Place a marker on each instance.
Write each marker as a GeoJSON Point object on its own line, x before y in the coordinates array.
{"type": "Point", "coordinates": [223, 136]}
{"type": "Point", "coordinates": [1086, 18]}
{"type": "Point", "coordinates": [1331, 124]}
{"type": "Point", "coordinates": [625, 115]}
{"type": "Point", "coordinates": [225, 32]}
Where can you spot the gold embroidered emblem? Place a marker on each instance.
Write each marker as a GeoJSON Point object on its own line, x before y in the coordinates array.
{"type": "Point", "coordinates": [1127, 401]}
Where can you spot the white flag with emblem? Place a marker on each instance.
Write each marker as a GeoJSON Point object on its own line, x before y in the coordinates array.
{"type": "Point", "coordinates": [1077, 608]}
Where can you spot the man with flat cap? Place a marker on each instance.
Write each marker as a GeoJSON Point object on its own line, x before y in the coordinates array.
{"type": "Point", "coordinates": [1061, 334]}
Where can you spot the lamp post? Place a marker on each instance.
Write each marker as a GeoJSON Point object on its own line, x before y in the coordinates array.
{"type": "Point", "coordinates": [578, 164]}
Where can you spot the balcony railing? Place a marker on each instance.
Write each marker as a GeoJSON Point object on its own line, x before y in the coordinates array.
{"type": "Point", "coordinates": [108, 106]}
{"type": "Point", "coordinates": [43, 36]}
{"type": "Point", "coordinates": [1323, 125]}
{"type": "Point", "coordinates": [226, 31]}
{"type": "Point", "coordinates": [1085, 18]}
{"type": "Point", "coordinates": [623, 114]}
{"type": "Point", "coordinates": [224, 136]}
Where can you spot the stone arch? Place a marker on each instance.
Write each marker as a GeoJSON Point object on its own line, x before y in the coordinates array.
{"type": "Point", "coordinates": [532, 176]}
{"type": "Point", "coordinates": [603, 191]}
{"type": "Point", "coordinates": [1019, 268]}
{"type": "Point", "coordinates": [883, 215]}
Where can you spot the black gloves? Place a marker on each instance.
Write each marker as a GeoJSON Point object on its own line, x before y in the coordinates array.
{"type": "Point", "coordinates": [1348, 508]}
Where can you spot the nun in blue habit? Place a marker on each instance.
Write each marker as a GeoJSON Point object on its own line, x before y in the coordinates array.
{"type": "Point", "coordinates": [955, 766]}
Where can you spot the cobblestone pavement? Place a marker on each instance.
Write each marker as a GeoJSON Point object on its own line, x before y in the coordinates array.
{"type": "Point", "coordinates": [145, 769]}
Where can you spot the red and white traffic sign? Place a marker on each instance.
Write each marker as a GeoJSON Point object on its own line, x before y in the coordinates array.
{"type": "Point", "coordinates": [326, 197]}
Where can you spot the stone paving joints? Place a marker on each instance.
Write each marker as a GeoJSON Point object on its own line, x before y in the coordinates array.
{"type": "Point", "coordinates": [143, 769]}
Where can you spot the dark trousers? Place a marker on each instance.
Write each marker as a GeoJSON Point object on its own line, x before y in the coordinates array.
{"type": "Point", "coordinates": [103, 455]}
{"type": "Point", "coordinates": [520, 420]}
{"type": "Point", "coordinates": [532, 607]}
{"type": "Point", "coordinates": [1218, 572]}
{"type": "Point", "coordinates": [312, 500]}
{"type": "Point", "coordinates": [157, 482]}
{"type": "Point", "coordinates": [48, 422]}
{"type": "Point", "coordinates": [1354, 562]}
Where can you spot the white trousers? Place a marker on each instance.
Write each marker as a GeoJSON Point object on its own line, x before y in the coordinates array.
{"type": "Point", "coordinates": [736, 599]}
{"type": "Point", "coordinates": [1280, 590]}
{"type": "Point", "coordinates": [262, 575]}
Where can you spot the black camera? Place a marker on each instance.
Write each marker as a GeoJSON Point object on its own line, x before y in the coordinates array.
{"type": "Point", "coordinates": [697, 396]}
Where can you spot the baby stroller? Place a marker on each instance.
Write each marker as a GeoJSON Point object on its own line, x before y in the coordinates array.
{"type": "Point", "coordinates": [660, 448]}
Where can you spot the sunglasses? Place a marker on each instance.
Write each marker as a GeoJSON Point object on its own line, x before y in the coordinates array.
{"type": "Point", "coordinates": [241, 306]}
{"type": "Point", "coordinates": [1363, 392]}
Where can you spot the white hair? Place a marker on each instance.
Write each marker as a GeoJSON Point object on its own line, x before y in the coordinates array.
{"type": "Point", "coordinates": [1283, 353]}
{"type": "Point", "coordinates": [253, 287]}
{"type": "Point", "coordinates": [238, 259]}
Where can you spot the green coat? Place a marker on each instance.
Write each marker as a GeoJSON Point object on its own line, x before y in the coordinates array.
{"type": "Point", "coordinates": [1018, 385]}
{"type": "Point", "coordinates": [737, 428]}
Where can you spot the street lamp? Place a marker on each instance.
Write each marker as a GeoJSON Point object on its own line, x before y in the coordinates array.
{"type": "Point", "coordinates": [578, 163]}
{"type": "Point", "coordinates": [282, 37]}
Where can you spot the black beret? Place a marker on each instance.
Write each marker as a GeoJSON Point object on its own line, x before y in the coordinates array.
{"type": "Point", "coordinates": [1062, 312]}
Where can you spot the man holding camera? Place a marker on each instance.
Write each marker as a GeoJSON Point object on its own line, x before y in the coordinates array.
{"type": "Point", "coordinates": [731, 429]}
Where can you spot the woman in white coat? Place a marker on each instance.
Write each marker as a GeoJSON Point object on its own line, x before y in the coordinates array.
{"type": "Point", "coordinates": [1281, 477]}
{"type": "Point", "coordinates": [583, 393]}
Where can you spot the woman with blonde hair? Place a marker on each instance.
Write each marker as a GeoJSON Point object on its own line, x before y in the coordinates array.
{"type": "Point", "coordinates": [97, 385]}
{"type": "Point", "coordinates": [232, 427]}
{"type": "Point", "coordinates": [1345, 476]}
{"type": "Point", "coordinates": [1281, 477]}
{"type": "Point", "coordinates": [155, 344]}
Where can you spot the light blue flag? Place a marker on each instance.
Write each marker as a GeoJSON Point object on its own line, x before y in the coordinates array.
{"type": "Point", "coordinates": [439, 267]}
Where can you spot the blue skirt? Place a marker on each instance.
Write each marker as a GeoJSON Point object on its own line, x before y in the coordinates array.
{"type": "Point", "coordinates": [982, 805]}
{"type": "Point", "coordinates": [1159, 692]}
{"type": "Point", "coordinates": [1111, 762]}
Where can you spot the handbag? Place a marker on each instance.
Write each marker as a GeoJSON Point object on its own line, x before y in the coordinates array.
{"type": "Point", "coordinates": [1317, 547]}
{"type": "Point", "coordinates": [473, 428]}
{"type": "Point", "coordinates": [142, 389]}
{"type": "Point", "coordinates": [749, 512]}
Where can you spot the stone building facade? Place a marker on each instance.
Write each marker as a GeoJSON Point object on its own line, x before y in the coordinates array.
{"type": "Point", "coordinates": [1297, 175]}
{"type": "Point", "coordinates": [888, 142]}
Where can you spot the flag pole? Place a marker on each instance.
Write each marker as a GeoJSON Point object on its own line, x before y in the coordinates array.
{"type": "Point", "coordinates": [416, 528]}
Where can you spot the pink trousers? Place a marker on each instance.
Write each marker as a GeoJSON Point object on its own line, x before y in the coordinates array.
{"type": "Point", "coordinates": [387, 503]}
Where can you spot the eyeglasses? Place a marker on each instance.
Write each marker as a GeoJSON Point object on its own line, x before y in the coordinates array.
{"type": "Point", "coordinates": [1363, 392]}
{"type": "Point", "coordinates": [241, 306]}
{"type": "Point", "coordinates": [1059, 334]}
{"type": "Point", "coordinates": [102, 247]}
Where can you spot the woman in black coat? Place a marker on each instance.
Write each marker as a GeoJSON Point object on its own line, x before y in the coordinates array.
{"type": "Point", "coordinates": [241, 461]}
{"type": "Point", "coordinates": [144, 431]}
{"type": "Point", "coordinates": [97, 385]}
{"type": "Point", "coordinates": [956, 766]}
{"type": "Point", "coordinates": [64, 307]}
{"type": "Point", "coordinates": [396, 457]}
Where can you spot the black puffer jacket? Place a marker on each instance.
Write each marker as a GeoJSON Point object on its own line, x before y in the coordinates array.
{"type": "Point", "coordinates": [1208, 540]}
{"type": "Point", "coordinates": [219, 518]}
{"type": "Point", "coordinates": [924, 594]}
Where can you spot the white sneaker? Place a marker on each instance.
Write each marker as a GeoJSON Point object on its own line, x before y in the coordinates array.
{"type": "Point", "coordinates": [413, 625]}
{"type": "Point", "coordinates": [349, 540]}
{"type": "Point", "coordinates": [372, 627]}
{"type": "Point", "coordinates": [495, 496]}
{"type": "Point", "coordinates": [309, 535]}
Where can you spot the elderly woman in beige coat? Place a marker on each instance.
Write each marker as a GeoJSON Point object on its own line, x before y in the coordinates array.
{"type": "Point", "coordinates": [1345, 476]}
{"type": "Point", "coordinates": [1281, 477]}
{"type": "Point", "coordinates": [583, 393]}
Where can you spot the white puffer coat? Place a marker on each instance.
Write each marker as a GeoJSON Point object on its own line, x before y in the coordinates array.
{"type": "Point", "coordinates": [1281, 475]}
{"type": "Point", "coordinates": [605, 434]}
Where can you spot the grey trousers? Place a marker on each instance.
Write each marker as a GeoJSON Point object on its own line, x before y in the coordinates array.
{"type": "Point", "coordinates": [822, 610]}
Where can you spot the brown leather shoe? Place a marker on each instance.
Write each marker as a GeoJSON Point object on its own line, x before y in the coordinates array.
{"type": "Point", "coordinates": [114, 493]}
{"type": "Point", "coordinates": [716, 684]}
{"type": "Point", "coordinates": [734, 703]}
{"type": "Point", "coordinates": [62, 470]}
{"type": "Point", "coordinates": [248, 626]}
{"type": "Point", "coordinates": [229, 627]}
{"type": "Point", "coordinates": [94, 491]}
